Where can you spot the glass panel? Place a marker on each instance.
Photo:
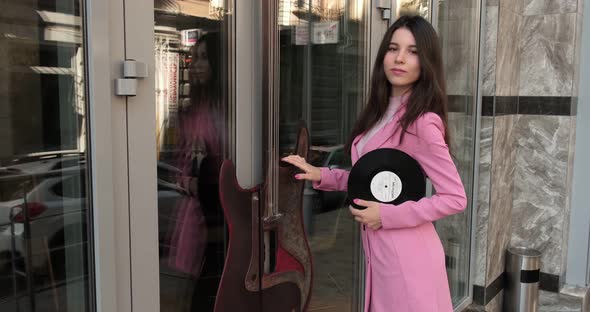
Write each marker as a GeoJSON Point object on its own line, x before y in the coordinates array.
{"type": "Point", "coordinates": [44, 210]}
{"type": "Point", "coordinates": [457, 28]}
{"type": "Point", "coordinates": [192, 126]}
{"type": "Point", "coordinates": [322, 78]}
{"type": "Point", "coordinates": [458, 31]}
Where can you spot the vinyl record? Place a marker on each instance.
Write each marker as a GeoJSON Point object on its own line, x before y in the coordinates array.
{"type": "Point", "coordinates": [388, 176]}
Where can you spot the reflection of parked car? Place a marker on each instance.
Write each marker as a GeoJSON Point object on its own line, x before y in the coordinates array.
{"type": "Point", "coordinates": [19, 174]}
{"type": "Point", "coordinates": [56, 206]}
{"type": "Point", "coordinates": [332, 157]}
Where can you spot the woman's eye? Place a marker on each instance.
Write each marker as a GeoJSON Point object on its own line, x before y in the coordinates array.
{"type": "Point", "coordinates": [392, 49]}
{"type": "Point", "coordinates": [413, 52]}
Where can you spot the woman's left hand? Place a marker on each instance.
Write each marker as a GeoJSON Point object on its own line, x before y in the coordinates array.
{"type": "Point", "coordinates": [371, 216]}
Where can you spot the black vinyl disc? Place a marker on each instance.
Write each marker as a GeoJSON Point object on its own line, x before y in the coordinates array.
{"type": "Point", "coordinates": [388, 176]}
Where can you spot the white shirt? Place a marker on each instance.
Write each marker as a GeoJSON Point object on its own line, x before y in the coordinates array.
{"type": "Point", "coordinates": [394, 103]}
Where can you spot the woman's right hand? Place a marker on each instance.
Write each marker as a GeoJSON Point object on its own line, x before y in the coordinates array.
{"type": "Point", "coordinates": [311, 173]}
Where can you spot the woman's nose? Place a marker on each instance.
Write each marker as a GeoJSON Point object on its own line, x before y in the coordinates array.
{"type": "Point", "coordinates": [399, 58]}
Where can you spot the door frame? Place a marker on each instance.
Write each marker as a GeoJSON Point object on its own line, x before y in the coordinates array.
{"type": "Point", "coordinates": [108, 162]}
{"type": "Point", "coordinates": [142, 160]}
{"type": "Point", "coordinates": [578, 255]}
{"type": "Point", "coordinates": [125, 236]}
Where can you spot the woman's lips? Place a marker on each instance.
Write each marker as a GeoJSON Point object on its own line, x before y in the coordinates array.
{"type": "Point", "coordinates": [397, 71]}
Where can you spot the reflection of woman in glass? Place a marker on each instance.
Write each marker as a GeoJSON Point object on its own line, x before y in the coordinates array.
{"type": "Point", "coordinates": [407, 110]}
{"type": "Point", "coordinates": [197, 240]}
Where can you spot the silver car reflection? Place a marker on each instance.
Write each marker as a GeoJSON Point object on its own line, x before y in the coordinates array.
{"type": "Point", "coordinates": [55, 207]}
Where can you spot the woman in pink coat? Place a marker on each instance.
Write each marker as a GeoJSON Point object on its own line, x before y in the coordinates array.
{"type": "Point", "coordinates": [406, 110]}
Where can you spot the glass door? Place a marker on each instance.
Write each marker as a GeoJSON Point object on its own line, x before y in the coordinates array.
{"type": "Point", "coordinates": [323, 56]}
{"type": "Point", "coordinates": [46, 168]}
{"type": "Point", "coordinates": [251, 82]}
{"type": "Point", "coordinates": [193, 129]}
{"type": "Point", "coordinates": [230, 88]}
{"type": "Point", "coordinates": [458, 27]}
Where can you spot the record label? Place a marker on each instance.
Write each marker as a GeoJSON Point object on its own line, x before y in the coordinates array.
{"type": "Point", "coordinates": [386, 186]}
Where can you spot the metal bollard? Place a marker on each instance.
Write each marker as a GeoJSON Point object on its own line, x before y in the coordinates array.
{"type": "Point", "coordinates": [522, 280]}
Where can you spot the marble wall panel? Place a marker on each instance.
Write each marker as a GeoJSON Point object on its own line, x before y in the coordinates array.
{"type": "Point", "coordinates": [547, 55]}
{"type": "Point", "coordinates": [502, 177]}
{"type": "Point", "coordinates": [515, 6]}
{"type": "Point", "coordinates": [507, 53]}
{"type": "Point", "coordinates": [531, 49]}
{"type": "Point", "coordinates": [489, 51]}
{"type": "Point", "coordinates": [544, 7]}
{"type": "Point", "coordinates": [540, 187]}
{"type": "Point", "coordinates": [496, 304]}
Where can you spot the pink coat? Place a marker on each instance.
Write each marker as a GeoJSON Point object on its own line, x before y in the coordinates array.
{"type": "Point", "coordinates": [405, 261]}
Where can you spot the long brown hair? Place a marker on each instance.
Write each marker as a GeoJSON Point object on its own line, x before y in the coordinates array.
{"type": "Point", "coordinates": [428, 92]}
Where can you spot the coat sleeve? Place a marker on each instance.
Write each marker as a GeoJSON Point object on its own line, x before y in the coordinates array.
{"type": "Point", "coordinates": [434, 157]}
{"type": "Point", "coordinates": [332, 180]}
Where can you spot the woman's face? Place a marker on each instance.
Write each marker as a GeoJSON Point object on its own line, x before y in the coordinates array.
{"type": "Point", "coordinates": [401, 63]}
{"type": "Point", "coordinates": [200, 69]}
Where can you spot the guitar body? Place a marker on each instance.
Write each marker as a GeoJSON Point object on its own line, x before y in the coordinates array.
{"type": "Point", "coordinates": [244, 286]}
